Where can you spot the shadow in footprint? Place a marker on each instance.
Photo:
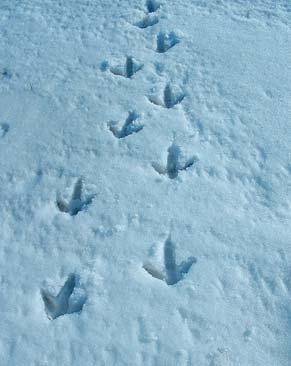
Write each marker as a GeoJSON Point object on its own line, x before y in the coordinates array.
{"type": "Point", "coordinates": [147, 21]}
{"type": "Point", "coordinates": [127, 70]}
{"type": "Point", "coordinates": [5, 74]}
{"type": "Point", "coordinates": [174, 166]}
{"type": "Point", "coordinates": [56, 306]}
{"type": "Point", "coordinates": [4, 128]}
{"type": "Point", "coordinates": [131, 125]}
{"type": "Point", "coordinates": [152, 6]}
{"type": "Point", "coordinates": [170, 97]}
{"type": "Point", "coordinates": [172, 272]}
{"type": "Point", "coordinates": [76, 203]}
{"type": "Point", "coordinates": [104, 66]}
{"type": "Point", "coordinates": [165, 41]}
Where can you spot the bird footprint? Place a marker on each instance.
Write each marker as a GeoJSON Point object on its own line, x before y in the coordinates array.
{"type": "Point", "coordinates": [127, 70]}
{"type": "Point", "coordinates": [130, 126]}
{"type": "Point", "coordinates": [171, 96]}
{"type": "Point", "coordinates": [165, 41]}
{"type": "Point", "coordinates": [4, 128]}
{"type": "Point", "coordinates": [173, 163]}
{"type": "Point", "coordinates": [172, 273]}
{"type": "Point", "coordinates": [76, 203]}
{"type": "Point", "coordinates": [152, 6]}
{"type": "Point", "coordinates": [56, 306]}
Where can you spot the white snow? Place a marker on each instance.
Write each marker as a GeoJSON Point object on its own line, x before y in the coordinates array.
{"type": "Point", "coordinates": [145, 169]}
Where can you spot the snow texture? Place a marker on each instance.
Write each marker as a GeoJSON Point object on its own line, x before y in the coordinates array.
{"type": "Point", "coordinates": [145, 176]}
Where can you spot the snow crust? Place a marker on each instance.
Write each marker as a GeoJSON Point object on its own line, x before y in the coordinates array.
{"type": "Point", "coordinates": [145, 175]}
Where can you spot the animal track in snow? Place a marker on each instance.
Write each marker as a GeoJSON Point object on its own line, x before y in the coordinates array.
{"type": "Point", "coordinates": [152, 6]}
{"type": "Point", "coordinates": [5, 74]}
{"type": "Point", "coordinates": [76, 203]}
{"type": "Point", "coordinates": [173, 163]}
{"type": "Point", "coordinates": [4, 128]}
{"type": "Point", "coordinates": [165, 41]}
{"type": "Point", "coordinates": [56, 306]}
{"type": "Point", "coordinates": [172, 272]}
{"type": "Point", "coordinates": [131, 125]}
{"type": "Point", "coordinates": [171, 97]}
{"type": "Point", "coordinates": [147, 21]}
{"type": "Point", "coordinates": [127, 70]}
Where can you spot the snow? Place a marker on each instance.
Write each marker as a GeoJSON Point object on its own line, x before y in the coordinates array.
{"type": "Point", "coordinates": [145, 172]}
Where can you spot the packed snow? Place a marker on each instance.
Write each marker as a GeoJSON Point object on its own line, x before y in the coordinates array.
{"type": "Point", "coordinates": [145, 166]}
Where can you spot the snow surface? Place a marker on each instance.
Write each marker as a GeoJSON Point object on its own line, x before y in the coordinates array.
{"type": "Point", "coordinates": [145, 197]}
